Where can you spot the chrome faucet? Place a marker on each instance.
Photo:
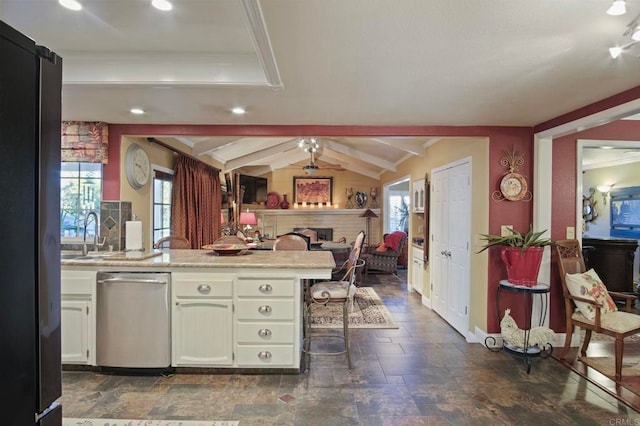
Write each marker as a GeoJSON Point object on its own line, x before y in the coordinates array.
{"type": "Point", "coordinates": [95, 236]}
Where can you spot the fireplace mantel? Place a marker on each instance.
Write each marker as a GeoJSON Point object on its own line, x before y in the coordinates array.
{"type": "Point", "coordinates": [344, 222]}
{"type": "Point", "coordinates": [313, 211]}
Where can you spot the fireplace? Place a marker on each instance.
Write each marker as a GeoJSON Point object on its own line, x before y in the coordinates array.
{"type": "Point", "coordinates": [324, 234]}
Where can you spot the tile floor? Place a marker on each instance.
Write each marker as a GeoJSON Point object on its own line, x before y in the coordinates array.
{"type": "Point", "coordinates": [422, 373]}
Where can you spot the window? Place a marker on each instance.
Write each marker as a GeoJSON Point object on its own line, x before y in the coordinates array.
{"type": "Point", "coordinates": [162, 184]}
{"type": "Point", "coordinates": [80, 193]}
{"type": "Point", "coordinates": [398, 217]}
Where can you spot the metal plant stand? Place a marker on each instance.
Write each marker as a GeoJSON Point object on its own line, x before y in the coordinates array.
{"type": "Point", "coordinates": [526, 351]}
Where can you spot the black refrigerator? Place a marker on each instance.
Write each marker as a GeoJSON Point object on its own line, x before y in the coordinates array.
{"type": "Point", "coordinates": [30, 122]}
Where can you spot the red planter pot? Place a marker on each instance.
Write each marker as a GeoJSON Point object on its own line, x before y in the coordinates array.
{"type": "Point", "coordinates": [522, 266]}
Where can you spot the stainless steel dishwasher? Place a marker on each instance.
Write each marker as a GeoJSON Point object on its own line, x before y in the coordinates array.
{"type": "Point", "coordinates": [133, 325]}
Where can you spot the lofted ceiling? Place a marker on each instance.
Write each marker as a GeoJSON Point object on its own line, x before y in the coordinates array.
{"type": "Point", "coordinates": [330, 62]}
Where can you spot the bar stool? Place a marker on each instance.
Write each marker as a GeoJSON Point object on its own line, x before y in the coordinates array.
{"type": "Point", "coordinates": [332, 292]}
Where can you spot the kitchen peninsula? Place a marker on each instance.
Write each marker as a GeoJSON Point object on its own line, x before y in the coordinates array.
{"type": "Point", "coordinates": [242, 312]}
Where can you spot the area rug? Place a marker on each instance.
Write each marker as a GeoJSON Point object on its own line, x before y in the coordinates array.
{"type": "Point", "coordinates": [129, 422]}
{"type": "Point", "coordinates": [630, 370]}
{"type": "Point", "coordinates": [368, 312]}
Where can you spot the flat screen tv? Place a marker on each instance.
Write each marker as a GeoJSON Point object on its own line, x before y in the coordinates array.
{"type": "Point", "coordinates": [625, 212]}
{"type": "Point", "coordinates": [255, 189]}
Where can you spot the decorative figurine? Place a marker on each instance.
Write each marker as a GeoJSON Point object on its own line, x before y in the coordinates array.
{"type": "Point", "coordinates": [374, 195]}
{"type": "Point", "coordinates": [349, 193]}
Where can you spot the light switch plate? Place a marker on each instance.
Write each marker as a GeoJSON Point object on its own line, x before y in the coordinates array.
{"type": "Point", "coordinates": [571, 232]}
{"type": "Point", "coordinates": [505, 230]}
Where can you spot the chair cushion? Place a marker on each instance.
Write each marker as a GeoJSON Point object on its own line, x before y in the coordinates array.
{"type": "Point", "coordinates": [589, 286]}
{"type": "Point", "coordinates": [618, 321]}
{"type": "Point", "coordinates": [393, 240]}
{"type": "Point", "coordinates": [335, 290]}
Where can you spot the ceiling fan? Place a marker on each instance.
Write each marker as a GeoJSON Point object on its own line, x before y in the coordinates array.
{"type": "Point", "coordinates": [311, 145]}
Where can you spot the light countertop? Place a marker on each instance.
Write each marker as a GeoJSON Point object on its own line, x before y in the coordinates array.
{"type": "Point", "coordinates": [260, 259]}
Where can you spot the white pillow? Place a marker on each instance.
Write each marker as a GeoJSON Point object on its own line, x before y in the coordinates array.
{"type": "Point", "coordinates": [589, 286]}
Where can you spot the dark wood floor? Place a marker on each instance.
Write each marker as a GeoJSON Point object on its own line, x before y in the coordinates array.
{"type": "Point", "coordinates": [423, 373]}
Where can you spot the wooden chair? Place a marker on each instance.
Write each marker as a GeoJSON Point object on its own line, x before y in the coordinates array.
{"type": "Point", "coordinates": [173, 242]}
{"type": "Point", "coordinates": [313, 235]}
{"type": "Point", "coordinates": [292, 241]}
{"type": "Point", "coordinates": [617, 324]}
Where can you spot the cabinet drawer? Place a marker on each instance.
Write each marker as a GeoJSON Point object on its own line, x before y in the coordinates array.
{"type": "Point", "coordinates": [264, 333]}
{"type": "Point", "coordinates": [265, 309]}
{"type": "Point", "coordinates": [254, 287]}
{"type": "Point", "coordinates": [265, 355]}
{"type": "Point", "coordinates": [77, 282]}
{"type": "Point", "coordinates": [203, 287]}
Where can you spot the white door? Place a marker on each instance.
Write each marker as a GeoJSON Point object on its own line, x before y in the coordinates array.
{"type": "Point", "coordinates": [451, 230]}
{"type": "Point", "coordinates": [440, 238]}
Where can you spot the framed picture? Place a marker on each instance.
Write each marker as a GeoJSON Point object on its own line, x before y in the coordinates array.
{"type": "Point", "coordinates": [312, 190]}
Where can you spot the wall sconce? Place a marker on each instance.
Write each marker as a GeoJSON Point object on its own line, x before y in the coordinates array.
{"type": "Point", "coordinates": [604, 190]}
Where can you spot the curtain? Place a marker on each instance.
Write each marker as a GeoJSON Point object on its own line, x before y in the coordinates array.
{"type": "Point", "coordinates": [85, 142]}
{"type": "Point", "coordinates": [196, 202]}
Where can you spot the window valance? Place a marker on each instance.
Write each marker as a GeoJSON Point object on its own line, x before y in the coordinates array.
{"type": "Point", "coordinates": [85, 141]}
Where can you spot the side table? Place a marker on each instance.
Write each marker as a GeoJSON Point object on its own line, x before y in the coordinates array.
{"type": "Point", "coordinates": [525, 351]}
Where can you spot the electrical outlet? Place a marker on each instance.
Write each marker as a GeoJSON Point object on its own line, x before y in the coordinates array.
{"type": "Point", "coordinates": [571, 232]}
{"type": "Point", "coordinates": [505, 230]}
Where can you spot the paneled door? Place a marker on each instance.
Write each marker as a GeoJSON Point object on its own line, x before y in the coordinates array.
{"type": "Point", "coordinates": [451, 236]}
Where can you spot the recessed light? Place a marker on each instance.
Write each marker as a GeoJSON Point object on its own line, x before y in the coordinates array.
{"type": "Point", "coordinates": [136, 111]}
{"type": "Point", "coordinates": [162, 5]}
{"type": "Point", "coordinates": [71, 4]}
{"type": "Point", "coordinates": [238, 110]}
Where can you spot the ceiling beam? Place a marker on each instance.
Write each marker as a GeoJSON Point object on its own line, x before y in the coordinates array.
{"type": "Point", "coordinates": [204, 146]}
{"type": "Point", "coordinates": [412, 146]}
{"type": "Point", "coordinates": [360, 155]}
{"type": "Point", "coordinates": [329, 156]}
{"type": "Point", "coordinates": [260, 157]}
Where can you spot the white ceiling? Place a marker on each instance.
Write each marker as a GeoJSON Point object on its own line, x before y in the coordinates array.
{"type": "Point", "coordinates": [330, 62]}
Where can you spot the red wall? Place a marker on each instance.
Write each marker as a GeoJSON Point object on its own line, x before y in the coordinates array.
{"type": "Point", "coordinates": [564, 193]}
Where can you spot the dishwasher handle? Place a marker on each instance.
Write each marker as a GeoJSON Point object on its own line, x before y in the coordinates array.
{"type": "Point", "coordinates": [131, 280]}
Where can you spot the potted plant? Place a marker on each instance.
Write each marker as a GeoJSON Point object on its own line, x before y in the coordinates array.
{"type": "Point", "coordinates": [521, 254]}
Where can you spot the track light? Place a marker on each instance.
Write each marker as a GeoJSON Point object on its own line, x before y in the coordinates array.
{"type": "Point", "coordinates": [618, 7]}
{"type": "Point", "coordinates": [617, 50]}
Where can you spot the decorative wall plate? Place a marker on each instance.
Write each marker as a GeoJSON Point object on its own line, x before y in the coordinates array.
{"type": "Point", "coordinates": [513, 186]}
{"type": "Point", "coordinates": [273, 200]}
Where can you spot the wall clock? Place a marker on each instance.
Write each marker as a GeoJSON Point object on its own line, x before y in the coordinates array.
{"type": "Point", "coordinates": [137, 166]}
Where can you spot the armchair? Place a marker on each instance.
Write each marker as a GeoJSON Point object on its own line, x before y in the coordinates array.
{"type": "Point", "coordinates": [385, 257]}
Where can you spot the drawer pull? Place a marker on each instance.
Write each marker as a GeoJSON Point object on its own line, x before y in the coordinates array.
{"type": "Point", "coordinates": [265, 288]}
{"type": "Point", "coordinates": [204, 289]}
{"type": "Point", "coordinates": [264, 309]}
{"type": "Point", "coordinates": [264, 355]}
{"type": "Point", "coordinates": [264, 332]}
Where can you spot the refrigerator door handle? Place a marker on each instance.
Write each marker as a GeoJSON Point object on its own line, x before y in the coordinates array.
{"type": "Point", "coordinates": [48, 410]}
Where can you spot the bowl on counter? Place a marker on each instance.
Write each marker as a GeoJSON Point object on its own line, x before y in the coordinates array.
{"type": "Point", "coordinates": [227, 249]}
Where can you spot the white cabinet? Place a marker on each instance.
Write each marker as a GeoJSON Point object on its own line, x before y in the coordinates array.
{"type": "Point", "coordinates": [78, 317]}
{"type": "Point", "coordinates": [267, 333]}
{"type": "Point", "coordinates": [417, 196]}
{"type": "Point", "coordinates": [202, 320]}
{"type": "Point", "coordinates": [417, 269]}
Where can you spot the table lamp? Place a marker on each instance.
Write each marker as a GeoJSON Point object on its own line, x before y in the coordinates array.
{"type": "Point", "coordinates": [368, 214]}
{"type": "Point", "coordinates": [247, 219]}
